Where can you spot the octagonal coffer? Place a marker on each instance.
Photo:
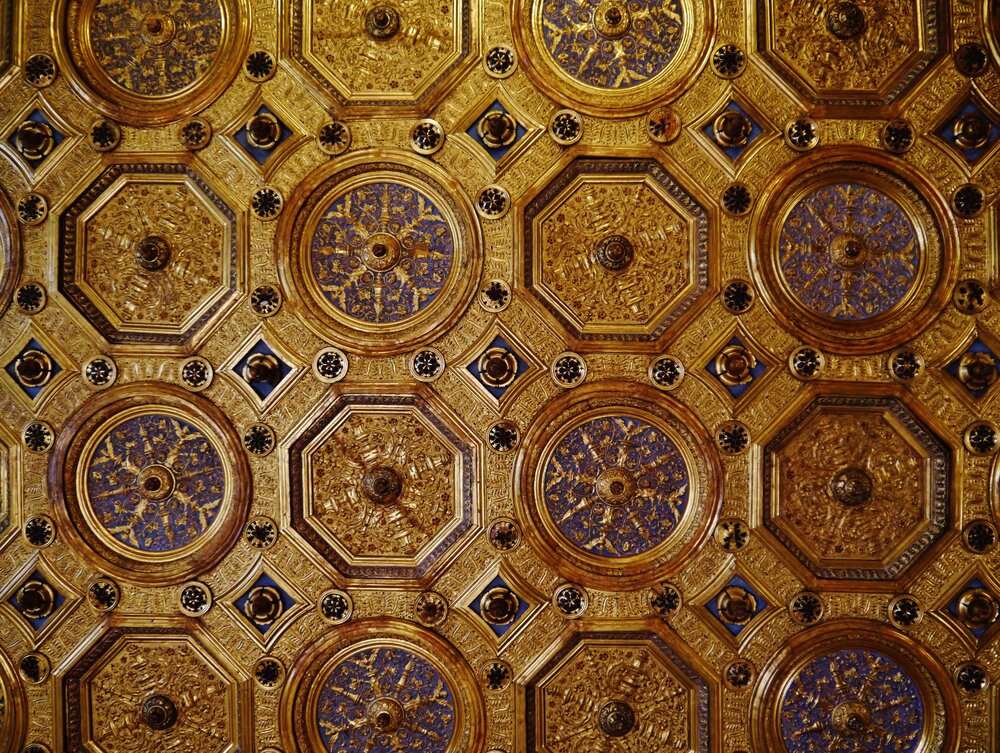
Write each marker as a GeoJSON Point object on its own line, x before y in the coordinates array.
{"type": "Point", "coordinates": [851, 52]}
{"type": "Point", "coordinates": [376, 54]}
{"type": "Point", "coordinates": [149, 254]}
{"type": "Point", "coordinates": [609, 685]}
{"type": "Point", "coordinates": [857, 487]}
{"type": "Point", "coordinates": [383, 486]}
{"type": "Point", "coordinates": [615, 249]}
{"type": "Point", "coordinates": [139, 686]}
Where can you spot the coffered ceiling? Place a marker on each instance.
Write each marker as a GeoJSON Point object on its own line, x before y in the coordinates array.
{"type": "Point", "coordinates": [528, 377]}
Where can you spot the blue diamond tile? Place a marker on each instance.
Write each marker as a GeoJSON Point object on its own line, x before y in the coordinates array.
{"type": "Point", "coordinates": [953, 606]}
{"type": "Point", "coordinates": [267, 592]}
{"type": "Point", "coordinates": [53, 368]}
{"type": "Point", "coordinates": [717, 367]}
{"type": "Point", "coordinates": [981, 368]}
{"type": "Point", "coordinates": [500, 151]}
{"type": "Point", "coordinates": [261, 155]}
{"type": "Point", "coordinates": [38, 583]}
{"type": "Point", "coordinates": [497, 387]}
{"type": "Point", "coordinates": [736, 605]}
{"type": "Point", "coordinates": [522, 606]}
{"type": "Point", "coordinates": [38, 117]}
{"type": "Point", "coordinates": [733, 152]}
{"type": "Point", "coordinates": [947, 131]}
{"type": "Point", "coordinates": [262, 387]}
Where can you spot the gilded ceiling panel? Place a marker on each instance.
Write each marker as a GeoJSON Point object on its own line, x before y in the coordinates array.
{"type": "Point", "coordinates": [499, 377]}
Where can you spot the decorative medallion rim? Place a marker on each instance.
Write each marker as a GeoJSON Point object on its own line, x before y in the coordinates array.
{"type": "Point", "coordinates": [105, 411]}
{"type": "Point", "coordinates": [313, 196]}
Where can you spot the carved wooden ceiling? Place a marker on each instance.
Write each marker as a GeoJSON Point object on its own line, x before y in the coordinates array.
{"type": "Point", "coordinates": [465, 376]}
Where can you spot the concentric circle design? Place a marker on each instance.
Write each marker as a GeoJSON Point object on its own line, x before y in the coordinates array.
{"type": "Point", "coordinates": [152, 480]}
{"type": "Point", "coordinates": [852, 694]}
{"type": "Point", "coordinates": [851, 255]}
{"type": "Point", "coordinates": [616, 481]}
{"type": "Point", "coordinates": [612, 44]}
{"type": "Point", "coordinates": [383, 254]}
{"type": "Point", "coordinates": [616, 486]}
{"type": "Point", "coordinates": [384, 699]}
{"type": "Point", "coordinates": [154, 62]}
{"type": "Point", "coordinates": [383, 686]}
{"type": "Point", "coordinates": [621, 54]}
{"type": "Point", "coordinates": [849, 251]}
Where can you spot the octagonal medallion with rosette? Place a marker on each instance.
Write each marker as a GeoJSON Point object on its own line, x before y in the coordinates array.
{"type": "Point", "coordinates": [851, 255]}
{"type": "Point", "coordinates": [612, 57]}
{"type": "Point", "coordinates": [607, 692]}
{"type": "Point", "coordinates": [153, 62]}
{"type": "Point", "coordinates": [143, 688]}
{"type": "Point", "coordinates": [849, 52]}
{"type": "Point", "coordinates": [151, 480]}
{"type": "Point", "coordinates": [616, 249]}
{"type": "Point", "coordinates": [382, 255]}
{"type": "Point", "coordinates": [844, 686]}
{"type": "Point", "coordinates": [379, 53]}
{"type": "Point", "coordinates": [382, 485]}
{"type": "Point", "coordinates": [383, 686]}
{"type": "Point", "coordinates": [150, 254]}
{"type": "Point", "coordinates": [857, 487]}
{"type": "Point", "coordinates": [618, 485]}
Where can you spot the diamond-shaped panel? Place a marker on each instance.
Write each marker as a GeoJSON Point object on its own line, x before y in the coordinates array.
{"type": "Point", "coordinates": [970, 131]}
{"type": "Point", "coordinates": [497, 367]}
{"type": "Point", "coordinates": [976, 369]}
{"type": "Point", "coordinates": [733, 130]}
{"type": "Point", "coordinates": [499, 606]}
{"type": "Point", "coordinates": [32, 368]}
{"type": "Point", "coordinates": [263, 132]}
{"type": "Point", "coordinates": [975, 606]}
{"type": "Point", "coordinates": [264, 603]}
{"type": "Point", "coordinates": [735, 367]}
{"type": "Point", "coordinates": [736, 604]}
{"type": "Point", "coordinates": [497, 130]}
{"type": "Point", "coordinates": [36, 600]}
{"type": "Point", "coordinates": [35, 138]}
{"type": "Point", "coordinates": [262, 369]}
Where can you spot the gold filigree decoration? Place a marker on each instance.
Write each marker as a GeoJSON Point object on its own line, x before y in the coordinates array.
{"type": "Point", "coordinates": [384, 484]}
{"type": "Point", "coordinates": [608, 695]}
{"type": "Point", "coordinates": [852, 485]}
{"type": "Point", "coordinates": [572, 268]}
{"type": "Point", "coordinates": [142, 289]}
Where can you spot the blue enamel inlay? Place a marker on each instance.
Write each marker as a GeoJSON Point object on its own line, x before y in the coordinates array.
{"type": "Point", "coordinates": [755, 372]}
{"type": "Point", "coordinates": [32, 392]}
{"type": "Point", "coordinates": [733, 152]}
{"type": "Point", "coordinates": [287, 602]}
{"type": "Point", "coordinates": [822, 223]}
{"type": "Point", "coordinates": [342, 241]}
{"type": "Point", "coordinates": [389, 679]}
{"type": "Point", "coordinates": [853, 699]}
{"type": "Point", "coordinates": [498, 153]}
{"type": "Point", "coordinates": [522, 605]}
{"type": "Point", "coordinates": [522, 366]}
{"type": "Point", "coordinates": [653, 35]}
{"type": "Point", "coordinates": [261, 388]}
{"type": "Point", "coordinates": [635, 454]}
{"type": "Point", "coordinates": [953, 606]}
{"type": "Point", "coordinates": [977, 346]}
{"type": "Point", "coordinates": [57, 601]}
{"type": "Point", "coordinates": [185, 462]}
{"type": "Point", "coordinates": [947, 132]}
{"type": "Point", "coordinates": [57, 138]}
{"type": "Point", "coordinates": [261, 155]}
{"type": "Point", "coordinates": [737, 582]}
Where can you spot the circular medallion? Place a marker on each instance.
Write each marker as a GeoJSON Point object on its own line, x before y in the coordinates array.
{"type": "Point", "coordinates": [152, 482]}
{"type": "Point", "coordinates": [851, 256]}
{"type": "Point", "coordinates": [383, 254]}
{"type": "Point", "coordinates": [369, 688]}
{"type": "Point", "coordinates": [841, 687]}
{"type": "Point", "coordinates": [617, 486]}
{"type": "Point", "coordinates": [152, 63]}
{"type": "Point", "coordinates": [621, 54]}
